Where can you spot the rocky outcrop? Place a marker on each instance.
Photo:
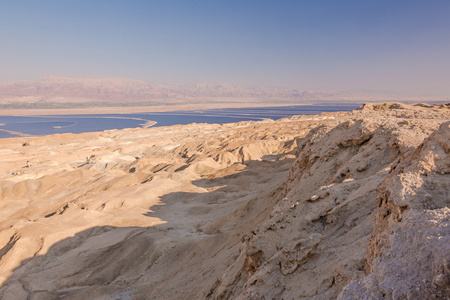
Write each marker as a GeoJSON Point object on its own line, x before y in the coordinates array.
{"type": "Point", "coordinates": [352, 205]}
{"type": "Point", "coordinates": [408, 252]}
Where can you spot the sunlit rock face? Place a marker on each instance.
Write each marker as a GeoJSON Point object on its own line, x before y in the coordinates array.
{"type": "Point", "coordinates": [349, 205]}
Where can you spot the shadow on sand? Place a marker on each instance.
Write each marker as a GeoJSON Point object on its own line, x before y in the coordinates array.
{"type": "Point", "coordinates": [180, 259]}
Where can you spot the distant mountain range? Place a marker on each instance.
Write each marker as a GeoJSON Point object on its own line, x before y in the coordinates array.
{"type": "Point", "coordinates": [71, 92]}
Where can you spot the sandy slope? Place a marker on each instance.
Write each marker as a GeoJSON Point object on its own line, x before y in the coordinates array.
{"type": "Point", "coordinates": [305, 207]}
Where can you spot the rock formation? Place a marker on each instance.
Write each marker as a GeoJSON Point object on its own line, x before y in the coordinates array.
{"type": "Point", "coordinates": [349, 205]}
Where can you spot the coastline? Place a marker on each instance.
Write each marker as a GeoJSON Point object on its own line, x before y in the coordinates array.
{"type": "Point", "coordinates": [121, 112]}
{"type": "Point", "coordinates": [126, 110]}
{"type": "Point", "coordinates": [192, 106]}
{"type": "Point", "coordinates": [136, 109]}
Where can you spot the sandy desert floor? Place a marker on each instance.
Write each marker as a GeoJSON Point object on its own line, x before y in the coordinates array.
{"type": "Point", "coordinates": [308, 207]}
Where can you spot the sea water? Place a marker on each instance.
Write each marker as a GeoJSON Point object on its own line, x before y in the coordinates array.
{"type": "Point", "coordinates": [45, 124]}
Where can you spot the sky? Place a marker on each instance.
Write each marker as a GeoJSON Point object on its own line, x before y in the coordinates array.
{"type": "Point", "coordinates": [399, 47]}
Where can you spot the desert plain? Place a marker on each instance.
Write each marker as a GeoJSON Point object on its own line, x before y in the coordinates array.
{"type": "Point", "coordinates": [347, 205]}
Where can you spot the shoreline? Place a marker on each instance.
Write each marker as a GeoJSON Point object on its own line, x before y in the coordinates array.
{"type": "Point", "coordinates": [146, 124]}
{"type": "Point", "coordinates": [193, 106]}
{"type": "Point", "coordinates": [138, 109]}
{"type": "Point", "coordinates": [128, 110]}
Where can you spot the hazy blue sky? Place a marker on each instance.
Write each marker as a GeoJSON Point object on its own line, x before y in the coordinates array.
{"type": "Point", "coordinates": [392, 46]}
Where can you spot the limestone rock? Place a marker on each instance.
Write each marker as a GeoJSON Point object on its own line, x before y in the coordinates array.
{"type": "Point", "coordinates": [350, 204]}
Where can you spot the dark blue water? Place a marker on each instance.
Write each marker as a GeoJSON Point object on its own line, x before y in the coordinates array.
{"type": "Point", "coordinates": [43, 125]}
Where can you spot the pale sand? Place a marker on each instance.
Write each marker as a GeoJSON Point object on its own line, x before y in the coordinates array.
{"type": "Point", "coordinates": [293, 209]}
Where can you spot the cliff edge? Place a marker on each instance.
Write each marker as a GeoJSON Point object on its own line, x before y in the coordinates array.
{"type": "Point", "coordinates": [348, 205]}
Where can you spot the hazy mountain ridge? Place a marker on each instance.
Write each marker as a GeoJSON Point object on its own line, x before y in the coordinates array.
{"type": "Point", "coordinates": [121, 90]}
{"type": "Point", "coordinates": [60, 89]}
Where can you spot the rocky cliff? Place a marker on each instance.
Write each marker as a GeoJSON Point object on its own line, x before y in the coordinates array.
{"type": "Point", "coordinates": [350, 205]}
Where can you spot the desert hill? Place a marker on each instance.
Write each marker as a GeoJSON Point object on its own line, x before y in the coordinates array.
{"type": "Point", "coordinates": [346, 205]}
